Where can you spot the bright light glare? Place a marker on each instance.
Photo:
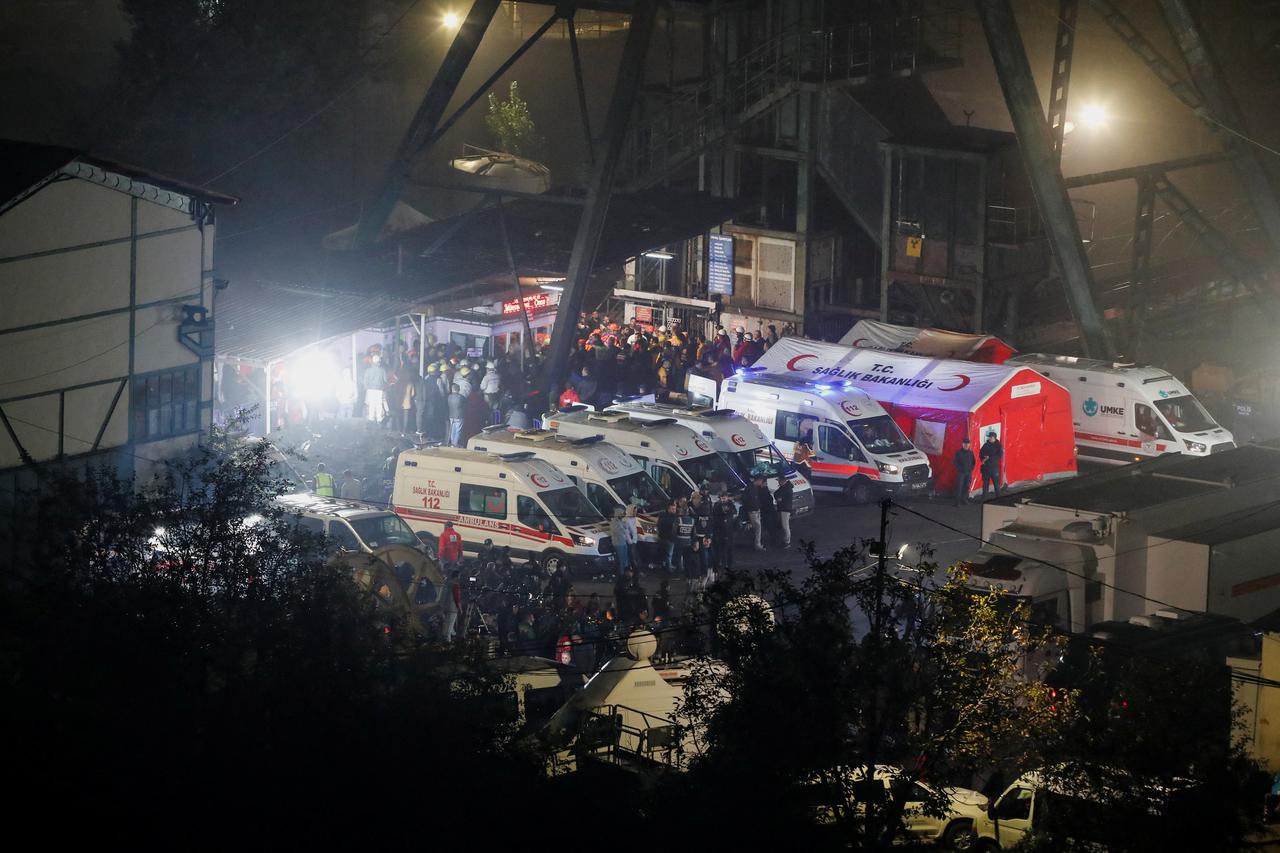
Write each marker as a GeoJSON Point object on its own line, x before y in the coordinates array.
{"type": "Point", "coordinates": [452, 20]}
{"type": "Point", "coordinates": [1094, 116]}
{"type": "Point", "coordinates": [314, 375]}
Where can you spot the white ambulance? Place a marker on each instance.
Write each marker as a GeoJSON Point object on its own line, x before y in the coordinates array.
{"type": "Point", "coordinates": [675, 456]}
{"type": "Point", "coordinates": [514, 499]}
{"type": "Point", "coordinates": [1127, 412]}
{"type": "Point", "coordinates": [739, 442]}
{"type": "Point", "coordinates": [608, 475]}
{"type": "Point", "coordinates": [858, 449]}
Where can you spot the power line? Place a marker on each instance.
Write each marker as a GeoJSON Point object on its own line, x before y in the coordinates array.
{"type": "Point", "coordinates": [83, 360]}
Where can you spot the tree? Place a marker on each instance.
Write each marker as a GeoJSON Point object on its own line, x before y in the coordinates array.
{"type": "Point", "coordinates": [181, 655]}
{"type": "Point", "coordinates": [511, 127]}
{"type": "Point", "coordinates": [1156, 734]}
{"type": "Point", "coordinates": [849, 671]}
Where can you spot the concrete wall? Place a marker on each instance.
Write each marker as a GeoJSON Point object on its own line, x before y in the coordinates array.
{"type": "Point", "coordinates": [81, 265]}
{"type": "Point", "coordinates": [1258, 727]}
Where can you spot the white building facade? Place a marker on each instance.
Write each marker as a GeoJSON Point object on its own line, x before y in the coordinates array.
{"type": "Point", "coordinates": [106, 328]}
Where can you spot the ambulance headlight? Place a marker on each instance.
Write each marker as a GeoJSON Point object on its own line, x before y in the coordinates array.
{"type": "Point", "coordinates": [1195, 446]}
{"type": "Point", "coordinates": [584, 541]}
{"type": "Point", "coordinates": [886, 468]}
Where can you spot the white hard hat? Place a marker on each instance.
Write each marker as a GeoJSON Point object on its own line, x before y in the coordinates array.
{"type": "Point", "coordinates": [662, 328]}
{"type": "Point", "coordinates": [489, 365]}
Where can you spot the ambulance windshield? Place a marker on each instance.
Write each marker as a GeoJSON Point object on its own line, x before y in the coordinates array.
{"type": "Point", "coordinates": [711, 469]}
{"type": "Point", "coordinates": [1185, 414]}
{"type": "Point", "coordinates": [880, 435]}
{"type": "Point", "coordinates": [641, 491]}
{"type": "Point", "coordinates": [571, 506]}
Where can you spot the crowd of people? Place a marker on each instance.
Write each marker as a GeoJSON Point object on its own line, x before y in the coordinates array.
{"type": "Point", "coordinates": [528, 609]}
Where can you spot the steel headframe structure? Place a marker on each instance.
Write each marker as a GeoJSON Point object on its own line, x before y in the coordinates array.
{"type": "Point", "coordinates": [1041, 140]}
{"type": "Point", "coordinates": [427, 127]}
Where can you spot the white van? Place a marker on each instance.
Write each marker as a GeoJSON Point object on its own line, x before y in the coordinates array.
{"type": "Point", "coordinates": [607, 475]}
{"type": "Point", "coordinates": [1052, 804]}
{"type": "Point", "coordinates": [350, 525]}
{"type": "Point", "coordinates": [515, 499]}
{"type": "Point", "coordinates": [1126, 413]}
{"type": "Point", "coordinates": [857, 448]}
{"type": "Point", "coordinates": [674, 455]}
{"type": "Point", "coordinates": [739, 442]}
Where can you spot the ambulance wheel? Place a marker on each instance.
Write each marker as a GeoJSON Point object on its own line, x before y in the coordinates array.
{"type": "Point", "coordinates": [553, 560]}
{"type": "Point", "coordinates": [859, 490]}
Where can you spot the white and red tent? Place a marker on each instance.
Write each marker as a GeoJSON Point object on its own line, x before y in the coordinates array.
{"type": "Point", "coordinates": [935, 343]}
{"type": "Point", "coordinates": [938, 402]}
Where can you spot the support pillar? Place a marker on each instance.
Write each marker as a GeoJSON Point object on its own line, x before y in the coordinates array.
{"type": "Point", "coordinates": [591, 225]}
{"type": "Point", "coordinates": [1019, 87]}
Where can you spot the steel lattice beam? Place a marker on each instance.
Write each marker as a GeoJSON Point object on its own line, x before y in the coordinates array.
{"type": "Point", "coordinates": [591, 225]}
{"type": "Point", "coordinates": [1035, 143]}
{"type": "Point", "coordinates": [1060, 80]}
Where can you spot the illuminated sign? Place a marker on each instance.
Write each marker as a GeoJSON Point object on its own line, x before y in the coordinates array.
{"type": "Point", "coordinates": [534, 303]}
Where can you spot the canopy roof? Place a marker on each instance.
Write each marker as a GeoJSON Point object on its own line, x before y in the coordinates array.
{"type": "Point", "coordinates": [938, 343]}
{"type": "Point", "coordinates": [896, 378]}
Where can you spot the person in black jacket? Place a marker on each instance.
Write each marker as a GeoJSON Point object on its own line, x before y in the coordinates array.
{"type": "Point", "coordinates": [724, 518]}
{"type": "Point", "coordinates": [783, 498]}
{"type": "Point", "coordinates": [963, 462]}
{"type": "Point", "coordinates": [667, 523]}
{"type": "Point", "coordinates": [992, 455]}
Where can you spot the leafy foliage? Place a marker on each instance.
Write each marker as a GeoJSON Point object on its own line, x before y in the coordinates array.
{"type": "Point", "coordinates": [182, 653]}
{"type": "Point", "coordinates": [855, 673]}
{"type": "Point", "coordinates": [511, 127]}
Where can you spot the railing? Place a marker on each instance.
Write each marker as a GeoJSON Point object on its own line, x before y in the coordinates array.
{"type": "Point", "coordinates": [620, 735]}
{"type": "Point", "coordinates": [1014, 226]}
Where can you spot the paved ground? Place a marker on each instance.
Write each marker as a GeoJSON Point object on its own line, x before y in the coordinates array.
{"type": "Point", "coordinates": [833, 525]}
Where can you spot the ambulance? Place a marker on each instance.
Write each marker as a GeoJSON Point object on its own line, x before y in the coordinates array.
{"type": "Point", "coordinates": [675, 456]}
{"type": "Point", "coordinates": [514, 499]}
{"type": "Point", "coordinates": [858, 450]}
{"type": "Point", "coordinates": [739, 442]}
{"type": "Point", "coordinates": [607, 475]}
{"type": "Point", "coordinates": [1128, 412]}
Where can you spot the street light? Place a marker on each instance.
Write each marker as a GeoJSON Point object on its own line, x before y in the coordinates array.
{"type": "Point", "coordinates": [452, 20]}
{"type": "Point", "coordinates": [1094, 116]}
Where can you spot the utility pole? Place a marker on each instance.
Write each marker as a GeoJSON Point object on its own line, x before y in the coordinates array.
{"type": "Point", "coordinates": [872, 656]}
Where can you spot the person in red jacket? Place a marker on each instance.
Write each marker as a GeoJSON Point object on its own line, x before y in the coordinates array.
{"type": "Point", "coordinates": [449, 549]}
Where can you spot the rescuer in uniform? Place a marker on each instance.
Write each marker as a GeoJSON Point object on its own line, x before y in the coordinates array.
{"type": "Point", "coordinates": [324, 481]}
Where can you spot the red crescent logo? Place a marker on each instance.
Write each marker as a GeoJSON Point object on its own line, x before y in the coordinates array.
{"type": "Point", "coordinates": [964, 380]}
{"type": "Point", "coordinates": [680, 451]}
{"type": "Point", "coordinates": [861, 342]}
{"type": "Point", "coordinates": [538, 480]}
{"type": "Point", "coordinates": [739, 440]}
{"type": "Point", "coordinates": [791, 365]}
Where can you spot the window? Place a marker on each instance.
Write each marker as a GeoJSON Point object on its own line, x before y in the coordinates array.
{"type": "Point", "coordinates": [531, 514]}
{"type": "Point", "coordinates": [793, 426]}
{"type": "Point", "coordinates": [1149, 423]}
{"type": "Point", "coordinates": [1185, 414]}
{"type": "Point", "coordinates": [604, 501]}
{"type": "Point", "coordinates": [310, 525]}
{"type": "Point", "coordinates": [672, 483]}
{"type": "Point", "coordinates": [1015, 805]}
{"type": "Point", "coordinates": [381, 530]}
{"type": "Point", "coordinates": [165, 404]}
{"type": "Point", "coordinates": [833, 442]}
{"type": "Point", "coordinates": [343, 537]}
{"type": "Point", "coordinates": [880, 435]}
{"type": "Point", "coordinates": [482, 500]}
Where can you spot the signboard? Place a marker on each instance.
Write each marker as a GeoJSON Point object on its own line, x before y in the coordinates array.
{"type": "Point", "coordinates": [720, 264]}
{"type": "Point", "coordinates": [534, 303]}
{"type": "Point", "coordinates": [644, 314]}
{"type": "Point", "coordinates": [914, 246]}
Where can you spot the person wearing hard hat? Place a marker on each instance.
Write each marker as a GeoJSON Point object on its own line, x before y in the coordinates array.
{"type": "Point", "coordinates": [462, 380]}
{"type": "Point", "coordinates": [323, 482]}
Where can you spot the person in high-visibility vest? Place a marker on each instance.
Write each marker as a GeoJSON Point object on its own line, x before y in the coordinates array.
{"type": "Point", "coordinates": [324, 482]}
